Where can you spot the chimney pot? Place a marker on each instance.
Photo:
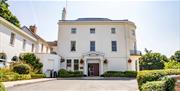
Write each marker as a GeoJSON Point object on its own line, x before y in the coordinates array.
{"type": "Point", "coordinates": [33, 28]}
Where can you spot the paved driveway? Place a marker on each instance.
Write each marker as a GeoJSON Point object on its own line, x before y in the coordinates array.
{"type": "Point", "coordinates": [80, 85]}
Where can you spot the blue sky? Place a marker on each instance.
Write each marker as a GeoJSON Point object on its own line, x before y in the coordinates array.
{"type": "Point", "coordinates": [158, 22]}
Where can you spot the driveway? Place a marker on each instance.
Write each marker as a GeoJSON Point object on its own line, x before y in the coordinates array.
{"type": "Point", "coordinates": [79, 85]}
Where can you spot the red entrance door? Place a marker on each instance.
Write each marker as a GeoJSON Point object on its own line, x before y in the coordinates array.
{"type": "Point", "coordinates": [93, 69]}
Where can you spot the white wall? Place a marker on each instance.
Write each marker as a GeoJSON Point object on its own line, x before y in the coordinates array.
{"type": "Point", "coordinates": [17, 48]}
{"type": "Point", "coordinates": [50, 62]}
{"type": "Point", "coordinates": [102, 37]}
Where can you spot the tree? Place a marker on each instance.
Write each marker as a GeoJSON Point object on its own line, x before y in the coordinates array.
{"type": "Point", "coordinates": [6, 13]}
{"type": "Point", "coordinates": [176, 56]}
{"type": "Point", "coordinates": [150, 61]}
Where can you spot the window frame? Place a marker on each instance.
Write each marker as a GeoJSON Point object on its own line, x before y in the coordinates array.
{"type": "Point", "coordinates": [114, 46]}
{"type": "Point", "coordinates": [12, 39]}
{"type": "Point", "coordinates": [92, 30]}
{"type": "Point", "coordinates": [73, 46]}
{"type": "Point", "coordinates": [92, 46]}
{"type": "Point", "coordinates": [68, 64]}
{"type": "Point", "coordinates": [73, 30]}
{"type": "Point", "coordinates": [113, 30]}
{"type": "Point", "coordinates": [24, 44]}
{"type": "Point", "coordinates": [76, 64]}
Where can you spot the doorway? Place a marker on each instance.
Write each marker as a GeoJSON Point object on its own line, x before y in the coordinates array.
{"type": "Point", "coordinates": [93, 69]}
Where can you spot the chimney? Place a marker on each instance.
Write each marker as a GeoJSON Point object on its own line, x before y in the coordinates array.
{"type": "Point", "coordinates": [64, 14]}
{"type": "Point", "coordinates": [33, 28]}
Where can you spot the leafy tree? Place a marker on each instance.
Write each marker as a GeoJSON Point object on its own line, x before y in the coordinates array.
{"type": "Point", "coordinates": [6, 13]}
{"type": "Point", "coordinates": [150, 61]}
{"type": "Point", "coordinates": [176, 56]}
{"type": "Point", "coordinates": [33, 61]}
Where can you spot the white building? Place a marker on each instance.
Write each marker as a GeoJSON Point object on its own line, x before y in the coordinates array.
{"type": "Point", "coordinates": [96, 45]}
{"type": "Point", "coordinates": [14, 41]}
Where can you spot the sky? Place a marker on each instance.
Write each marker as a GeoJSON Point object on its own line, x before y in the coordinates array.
{"type": "Point", "coordinates": [157, 21]}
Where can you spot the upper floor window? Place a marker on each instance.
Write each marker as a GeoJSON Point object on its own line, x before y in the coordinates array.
{"type": "Point", "coordinates": [73, 45]}
{"type": "Point", "coordinates": [76, 64]}
{"type": "Point", "coordinates": [114, 45]}
{"type": "Point", "coordinates": [68, 64]}
{"type": "Point", "coordinates": [73, 30]}
{"type": "Point", "coordinates": [92, 46]}
{"type": "Point", "coordinates": [12, 39]}
{"type": "Point", "coordinates": [113, 30]}
{"type": "Point", "coordinates": [92, 30]}
{"type": "Point", "coordinates": [42, 47]}
{"type": "Point", "coordinates": [133, 32]}
{"type": "Point", "coordinates": [47, 49]}
{"type": "Point", "coordinates": [32, 49]}
{"type": "Point", "coordinates": [24, 44]}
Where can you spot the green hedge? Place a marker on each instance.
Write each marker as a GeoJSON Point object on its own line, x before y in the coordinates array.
{"type": "Point", "coordinates": [8, 75]}
{"type": "Point", "coordinates": [154, 75]}
{"type": "Point", "coordinates": [154, 86]}
{"type": "Point", "coordinates": [2, 87]}
{"type": "Point", "coordinates": [120, 74]}
{"type": "Point", "coordinates": [35, 76]}
{"type": "Point", "coordinates": [172, 65]}
{"type": "Point", "coordinates": [64, 73]}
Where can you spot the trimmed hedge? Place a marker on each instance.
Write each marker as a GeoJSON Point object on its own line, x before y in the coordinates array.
{"type": "Point", "coordinates": [2, 87]}
{"type": "Point", "coordinates": [64, 73]}
{"type": "Point", "coordinates": [120, 74]}
{"type": "Point", "coordinates": [154, 75]}
{"type": "Point", "coordinates": [35, 76]}
{"type": "Point", "coordinates": [22, 68]}
{"type": "Point", "coordinates": [154, 86]}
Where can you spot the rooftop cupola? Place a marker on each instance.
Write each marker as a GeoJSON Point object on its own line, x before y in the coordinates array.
{"type": "Point", "coordinates": [64, 14]}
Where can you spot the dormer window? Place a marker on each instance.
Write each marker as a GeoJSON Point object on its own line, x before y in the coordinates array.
{"type": "Point", "coordinates": [73, 30]}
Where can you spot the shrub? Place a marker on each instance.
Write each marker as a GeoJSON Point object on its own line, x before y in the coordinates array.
{"type": "Point", "coordinates": [154, 75]}
{"type": "Point", "coordinates": [33, 61]}
{"type": "Point", "coordinates": [154, 86]}
{"type": "Point", "coordinates": [22, 68]}
{"type": "Point", "coordinates": [34, 76]}
{"type": "Point", "coordinates": [120, 74]}
{"type": "Point", "coordinates": [170, 83]}
{"type": "Point", "coordinates": [172, 65]}
{"type": "Point", "coordinates": [64, 73]}
{"type": "Point", "coordinates": [2, 87]}
{"type": "Point", "coordinates": [24, 77]}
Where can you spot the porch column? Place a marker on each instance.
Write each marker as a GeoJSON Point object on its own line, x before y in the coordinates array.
{"type": "Point", "coordinates": [102, 68]}
{"type": "Point", "coordinates": [85, 67]}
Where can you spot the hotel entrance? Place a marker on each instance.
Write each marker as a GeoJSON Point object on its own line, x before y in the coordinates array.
{"type": "Point", "coordinates": [93, 69]}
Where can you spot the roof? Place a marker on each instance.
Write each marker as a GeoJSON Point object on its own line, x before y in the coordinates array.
{"type": "Point", "coordinates": [27, 30]}
{"type": "Point", "coordinates": [13, 27]}
{"type": "Point", "coordinates": [52, 43]}
{"type": "Point", "coordinates": [93, 19]}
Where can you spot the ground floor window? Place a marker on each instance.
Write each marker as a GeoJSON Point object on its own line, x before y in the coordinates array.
{"type": "Point", "coordinates": [68, 64]}
{"type": "Point", "coordinates": [76, 64]}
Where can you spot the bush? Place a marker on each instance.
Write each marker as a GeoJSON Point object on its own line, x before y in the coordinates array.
{"type": "Point", "coordinates": [120, 74]}
{"type": "Point", "coordinates": [24, 77]}
{"type": "Point", "coordinates": [64, 73]}
{"type": "Point", "coordinates": [33, 61]}
{"type": "Point", "coordinates": [22, 68]}
{"type": "Point", "coordinates": [172, 65]}
{"type": "Point", "coordinates": [2, 87]}
{"type": "Point", "coordinates": [35, 76]}
{"type": "Point", "coordinates": [154, 86]}
{"type": "Point", "coordinates": [154, 75]}
{"type": "Point", "coordinates": [170, 83]}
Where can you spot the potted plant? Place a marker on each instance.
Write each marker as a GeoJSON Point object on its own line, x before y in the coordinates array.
{"type": "Point", "coordinates": [105, 61]}
{"type": "Point", "coordinates": [129, 60]}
